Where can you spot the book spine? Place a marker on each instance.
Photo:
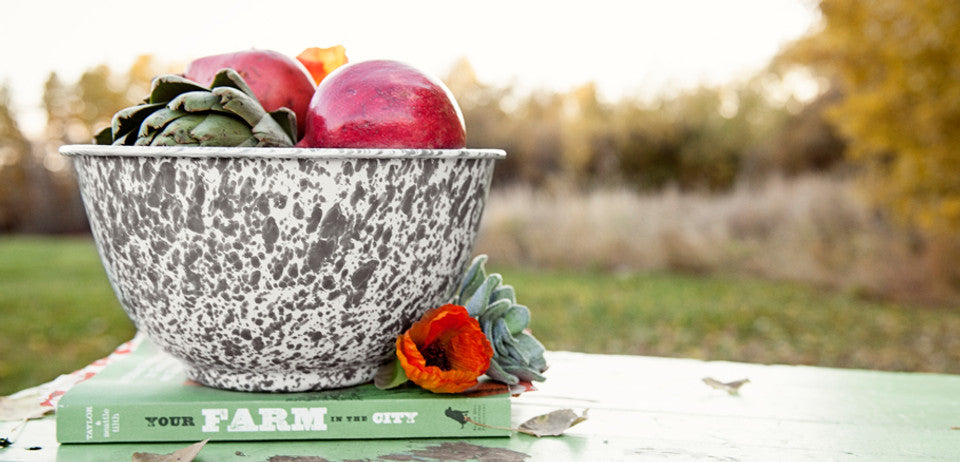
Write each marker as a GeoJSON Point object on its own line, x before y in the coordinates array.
{"type": "Point", "coordinates": [280, 420]}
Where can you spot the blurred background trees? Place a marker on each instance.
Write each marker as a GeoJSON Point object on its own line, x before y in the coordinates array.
{"type": "Point", "coordinates": [704, 139]}
{"type": "Point", "coordinates": [14, 148]}
{"type": "Point", "coordinates": [38, 190]}
{"type": "Point", "coordinates": [885, 113]}
{"type": "Point", "coordinates": [895, 67]}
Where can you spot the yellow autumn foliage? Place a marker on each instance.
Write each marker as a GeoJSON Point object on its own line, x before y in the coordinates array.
{"type": "Point", "coordinates": [897, 64]}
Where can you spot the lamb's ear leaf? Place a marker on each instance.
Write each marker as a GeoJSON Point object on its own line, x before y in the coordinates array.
{"type": "Point", "coordinates": [481, 298]}
{"type": "Point", "coordinates": [472, 279]}
{"type": "Point", "coordinates": [390, 375]}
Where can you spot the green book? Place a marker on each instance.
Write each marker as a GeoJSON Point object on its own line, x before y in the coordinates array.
{"type": "Point", "coordinates": [145, 396]}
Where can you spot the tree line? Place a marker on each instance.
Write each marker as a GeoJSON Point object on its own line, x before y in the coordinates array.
{"type": "Point", "coordinates": [704, 139]}
{"type": "Point", "coordinates": [38, 188]}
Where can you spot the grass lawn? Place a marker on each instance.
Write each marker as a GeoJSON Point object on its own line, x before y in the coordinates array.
{"type": "Point", "coordinates": [59, 313]}
{"type": "Point", "coordinates": [58, 310]}
{"type": "Point", "coordinates": [720, 318]}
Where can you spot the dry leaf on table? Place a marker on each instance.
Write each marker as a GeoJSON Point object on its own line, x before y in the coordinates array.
{"type": "Point", "coordinates": [22, 407]}
{"type": "Point", "coordinates": [732, 388]}
{"type": "Point", "coordinates": [186, 454]}
{"type": "Point", "coordinates": [552, 424]}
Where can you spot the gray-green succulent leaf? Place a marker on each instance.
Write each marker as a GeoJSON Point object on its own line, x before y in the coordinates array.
{"type": "Point", "coordinates": [517, 317]}
{"type": "Point", "coordinates": [472, 279]}
{"type": "Point", "coordinates": [478, 301]}
{"type": "Point", "coordinates": [180, 112]}
{"type": "Point", "coordinates": [517, 355]}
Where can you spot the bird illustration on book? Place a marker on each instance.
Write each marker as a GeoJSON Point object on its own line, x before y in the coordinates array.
{"type": "Point", "coordinates": [459, 416]}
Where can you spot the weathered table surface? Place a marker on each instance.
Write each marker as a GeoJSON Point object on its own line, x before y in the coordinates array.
{"type": "Point", "coordinates": [643, 408]}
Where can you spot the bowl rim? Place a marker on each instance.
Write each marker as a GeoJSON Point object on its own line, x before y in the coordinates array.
{"type": "Point", "coordinates": [97, 150]}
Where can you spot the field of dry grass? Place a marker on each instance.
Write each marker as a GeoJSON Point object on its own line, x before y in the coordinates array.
{"type": "Point", "coordinates": [814, 230]}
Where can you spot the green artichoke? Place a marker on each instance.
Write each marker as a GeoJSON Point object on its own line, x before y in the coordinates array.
{"type": "Point", "coordinates": [517, 355]}
{"type": "Point", "coordinates": [182, 112]}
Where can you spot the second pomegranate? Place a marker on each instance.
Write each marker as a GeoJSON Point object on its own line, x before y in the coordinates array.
{"type": "Point", "coordinates": [383, 104]}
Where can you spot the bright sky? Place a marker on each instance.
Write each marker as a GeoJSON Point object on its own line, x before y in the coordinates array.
{"type": "Point", "coordinates": [629, 47]}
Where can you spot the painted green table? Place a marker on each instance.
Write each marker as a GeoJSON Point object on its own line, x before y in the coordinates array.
{"type": "Point", "coordinates": [643, 408]}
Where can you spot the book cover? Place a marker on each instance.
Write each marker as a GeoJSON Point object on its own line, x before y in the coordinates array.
{"type": "Point", "coordinates": [145, 396]}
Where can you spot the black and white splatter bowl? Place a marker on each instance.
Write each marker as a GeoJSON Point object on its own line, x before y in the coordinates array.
{"type": "Point", "coordinates": [281, 269]}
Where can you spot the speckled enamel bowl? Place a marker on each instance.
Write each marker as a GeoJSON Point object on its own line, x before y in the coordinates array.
{"type": "Point", "coordinates": [281, 269]}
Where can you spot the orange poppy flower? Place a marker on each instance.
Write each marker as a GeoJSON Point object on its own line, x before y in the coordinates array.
{"type": "Point", "coordinates": [322, 61]}
{"type": "Point", "coordinates": [445, 351]}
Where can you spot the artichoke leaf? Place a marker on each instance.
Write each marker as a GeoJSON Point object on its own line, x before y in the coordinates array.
{"type": "Point", "coordinates": [128, 119]}
{"type": "Point", "coordinates": [241, 104]}
{"type": "Point", "coordinates": [145, 136]}
{"type": "Point", "coordinates": [221, 130]}
{"type": "Point", "coordinates": [181, 128]}
{"type": "Point", "coordinates": [158, 120]}
{"type": "Point", "coordinates": [179, 111]}
{"type": "Point", "coordinates": [229, 78]}
{"type": "Point", "coordinates": [269, 133]}
{"type": "Point", "coordinates": [127, 139]}
{"type": "Point", "coordinates": [104, 136]}
{"type": "Point", "coordinates": [287, 119]}
{"type": "Point", "coordinates": [196, 101]}
{"type": "Point", "coordinates": [165, 139]}
{"type": "Point", "coordinates": [145, 140]}
{"type": "Point", "coordinates": [167, 87]}
{"type": "Point", "coordinates": [177, 133]}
